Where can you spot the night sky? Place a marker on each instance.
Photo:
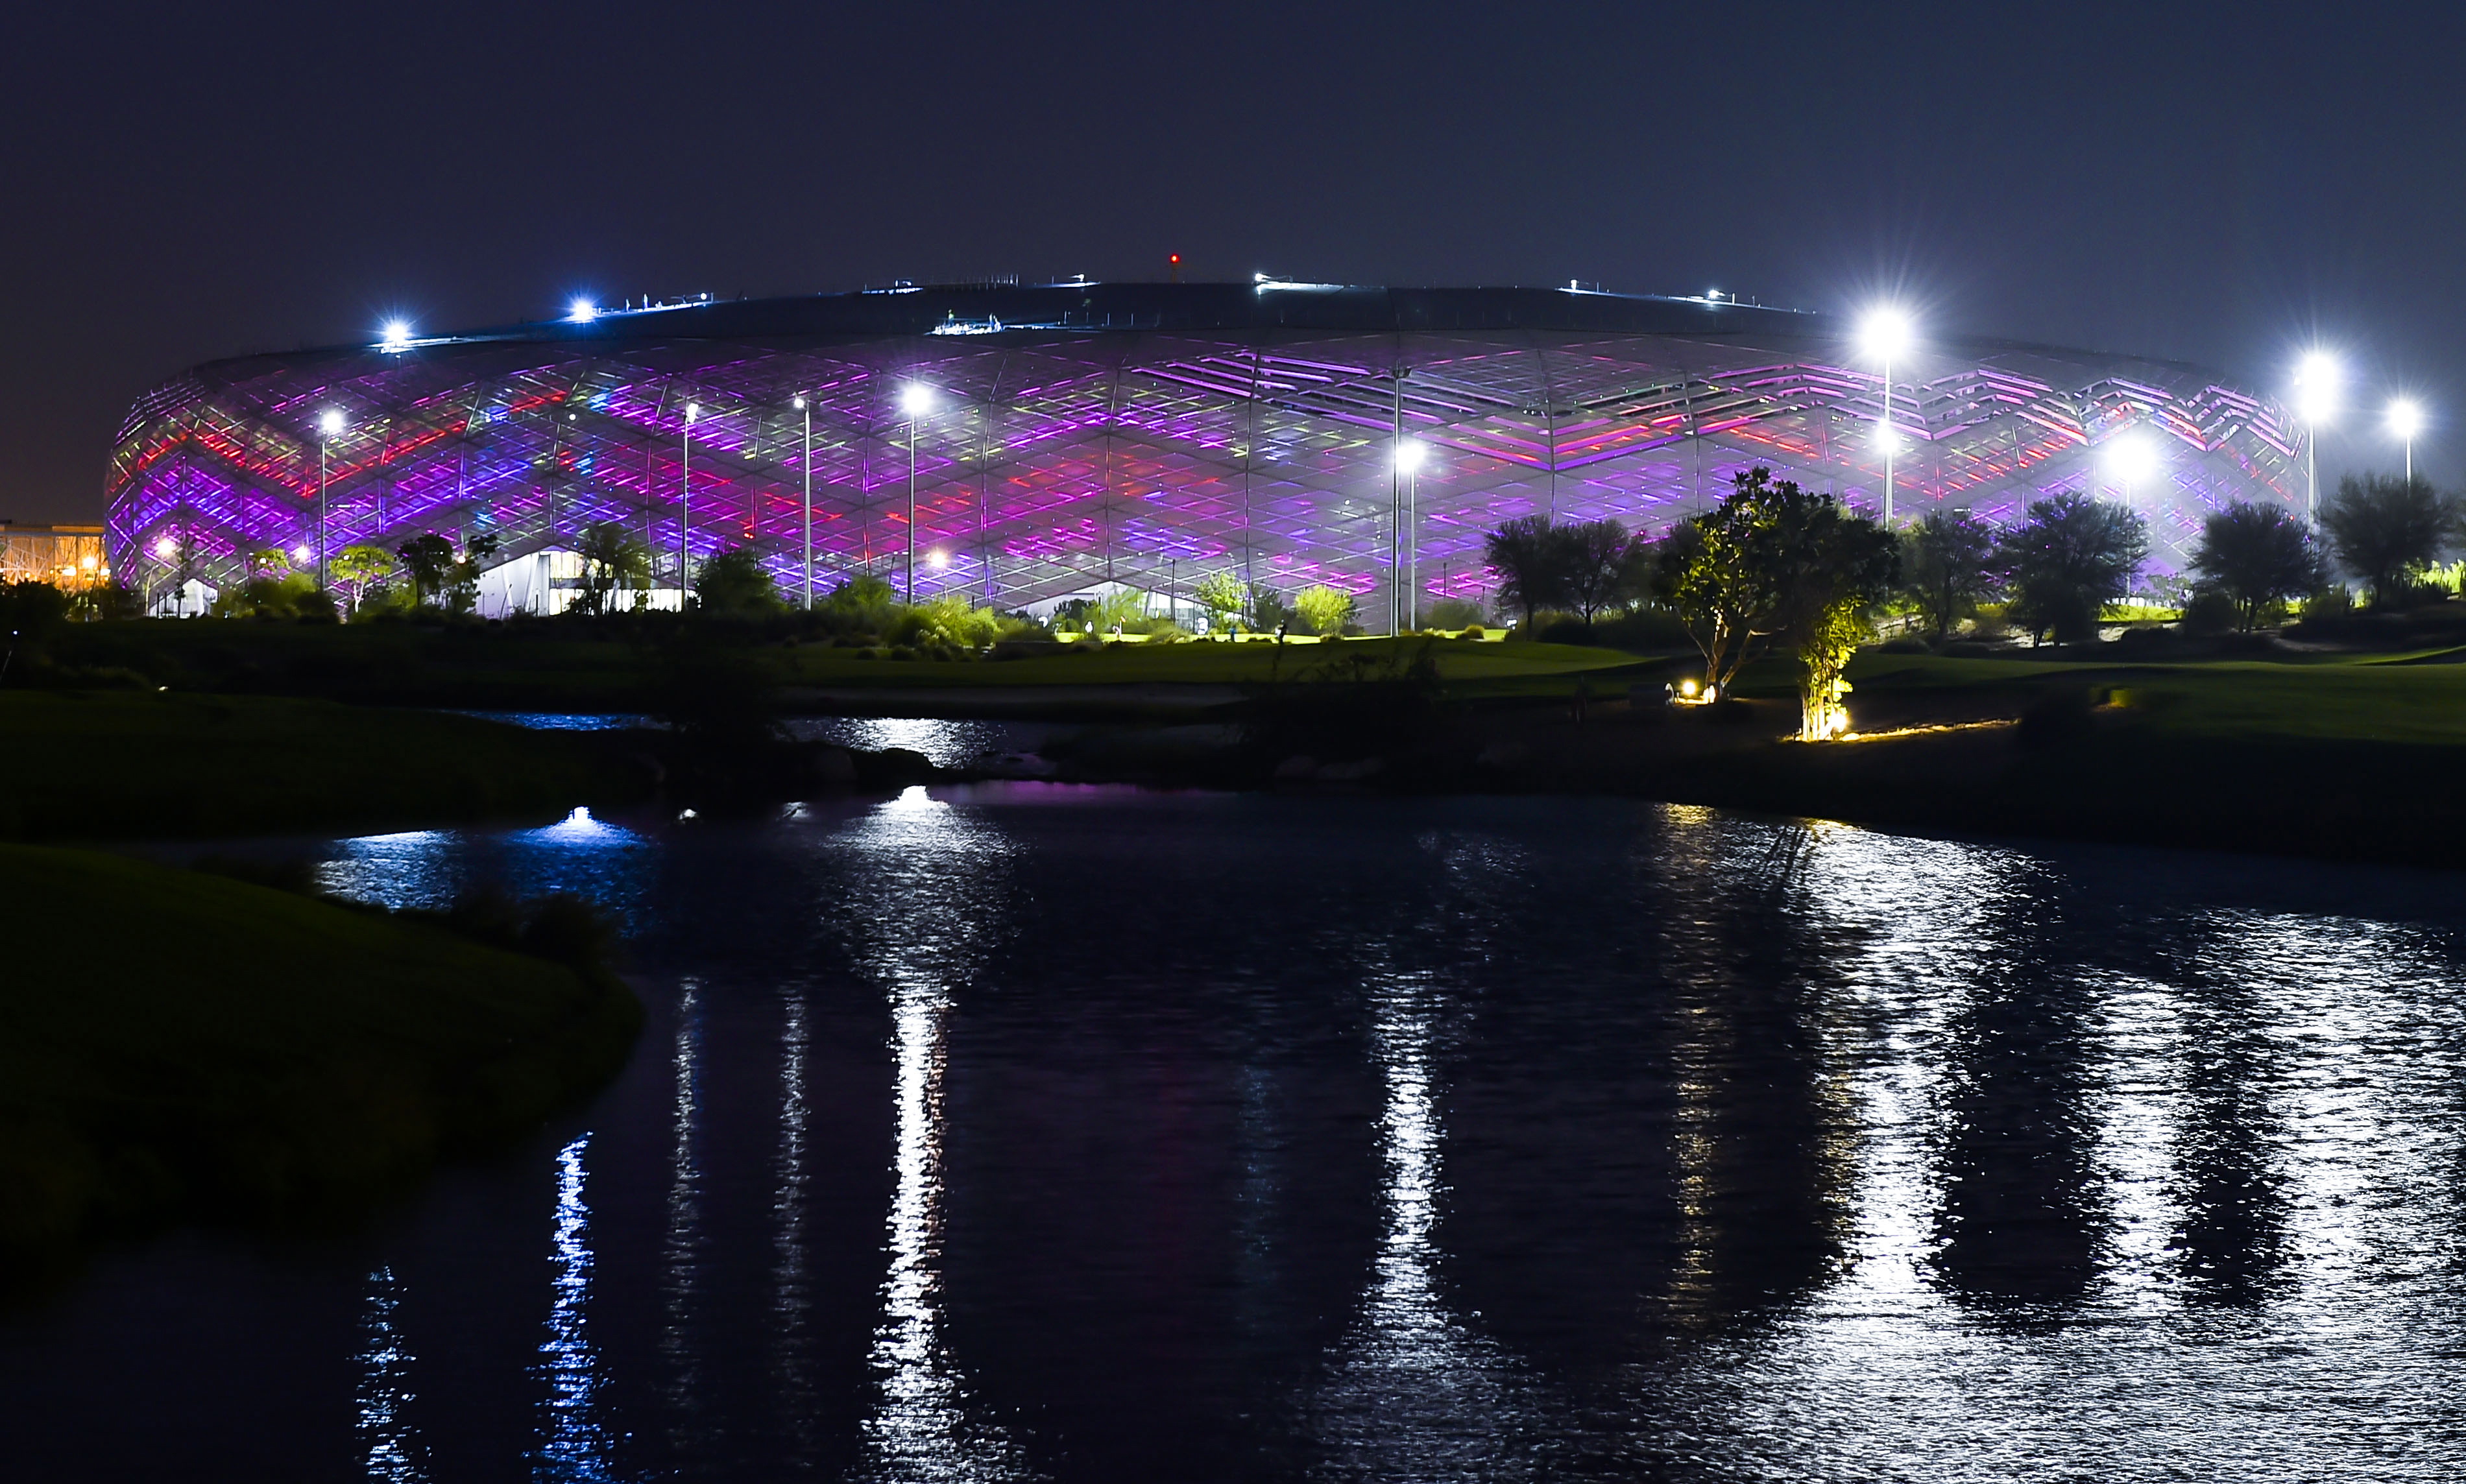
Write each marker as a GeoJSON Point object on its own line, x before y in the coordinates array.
{"type": "Point", "coordinates": [2219, 183]}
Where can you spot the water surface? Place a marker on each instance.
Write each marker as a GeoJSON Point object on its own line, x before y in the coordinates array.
{"type": "Point", "coordinates": [1025, 1131]}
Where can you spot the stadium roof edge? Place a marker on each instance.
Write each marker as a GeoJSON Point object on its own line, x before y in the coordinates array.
{"type": "Point", "coordinates": [1098, 307]}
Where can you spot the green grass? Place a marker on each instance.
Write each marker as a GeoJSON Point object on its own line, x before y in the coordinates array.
{"type": "Point", "coordinates": [2333, 698]}
{"type": "Point", "coordinates": [120, 764]}
{"type": "Point", "coordinates": [177, 1042]}
{"type": "Point", "coordinates": [1461, 662]}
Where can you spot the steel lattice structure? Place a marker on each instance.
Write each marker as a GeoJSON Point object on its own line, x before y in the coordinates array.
{"type": "Point", "coordinates": [1143, 434]}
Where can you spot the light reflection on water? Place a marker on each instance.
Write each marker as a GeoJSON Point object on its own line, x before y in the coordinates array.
{"type": "Point", "coordinates": [977, 1138]}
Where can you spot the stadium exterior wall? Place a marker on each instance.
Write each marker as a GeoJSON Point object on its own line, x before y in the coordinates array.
{"type": "Point", "coordinates": [1139, 435]}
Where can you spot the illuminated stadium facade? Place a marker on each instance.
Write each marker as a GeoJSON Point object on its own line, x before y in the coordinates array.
{"type": "Point", "coordinates": [1146, 435]}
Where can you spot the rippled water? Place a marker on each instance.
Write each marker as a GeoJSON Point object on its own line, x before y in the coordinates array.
{"type": "Point", "coordinates": [944, 742]}
{"type": "Point", "coordinates": [1025, 1131]}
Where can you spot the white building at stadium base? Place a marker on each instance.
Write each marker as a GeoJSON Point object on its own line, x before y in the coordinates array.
{"type": "Point", "coordinates": [1068, 435]}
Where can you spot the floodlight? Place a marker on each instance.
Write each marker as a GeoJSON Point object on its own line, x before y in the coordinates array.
{"type": "Point", "coordinates": [693, 409]}
{"type": "Point", "coordinates": [1885, 334]}
{"type": "Point", "coordinates": [582, 311]}
{"type": "Point", "coordinates": [2316, 386]}
{"type": "Point", "coordinates": [2131, 456]}
{"type": "Point", "coordinates": [331, 424]}
{"type": "Point", "coordinates": [916, 399]}
{"type": "Point", "coordinates": [397, 336]}
{"type": "Point", "coordinates": [1888, 438]}
{"type": "Point", "coordinates": [167, 548]}
{"type": "Point", "coordinates": [301, 553]}
{"type": "Point", "coordinates": [938, 559]}
{"type": "Point", "coordinates": [1711, 292]}
{"type": "Point", "coordinates": [2404, 419]}
{"type": "Point", "coordinates": [1409, 454]}
{"type": "Point", "coordinates": [799, 404]}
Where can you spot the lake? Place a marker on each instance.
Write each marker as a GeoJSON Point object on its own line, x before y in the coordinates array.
{"type": "Point", "coordinates": [1027, 1131]}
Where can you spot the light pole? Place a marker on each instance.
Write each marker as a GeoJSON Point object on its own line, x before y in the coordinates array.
{"type": "Point", "coordinates": [2405, 420]}
{"type": "Point", "coordinates": [916, 399]}
{"type": "Point", "coordinates": [684, 510]}
{"type": "Point", "coordinates": [331, 426]}
{"type": "Point", "coordinates": [807, 408]}
{"type": "Point", "coordinates": [2316, 386]}
{"type": "Point", "coordinates": [1409, 453]}
{"type": "Point", "coordinates": [1885, 334]}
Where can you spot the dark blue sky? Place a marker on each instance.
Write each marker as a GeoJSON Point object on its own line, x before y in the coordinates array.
{"type": "Point", "coordinates": [2219, 183]}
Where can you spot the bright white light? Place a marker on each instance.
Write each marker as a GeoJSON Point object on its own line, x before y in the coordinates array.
{"type": "Point", "coordinates": [799, 404]}
{"type": "Point", "coordinates": [1409, 454]}
{"type": "Point", "coordinates": [299, 553]}
{"type": "Point", "coordinates": [916, 399]}
{"type": "Point", "coordinates": [1885, 334]}
{"type": "Point", "coordinates": [167, 548]}
{"type": "Point", "coordinates": [937, 559]}
{"type": "Point", "coordinates": [331, 424]}
{"type": "Point", "coordinates": [2404, 419]}
{"type": "Point", "coordinates": [582, 311]}
{"type": "Point", "coordinates": [2316, 378]}
{"type": "Point", "coordinates": [2131, 458]}
{"type": "Point", "coordinates": [1711, 292]}
{"type": "Point", "coordinates": [1888, 438]}
{"type": "Point", "coordinates": [693, 410]}
{"type": "Point", "coordinates": [397, 336]}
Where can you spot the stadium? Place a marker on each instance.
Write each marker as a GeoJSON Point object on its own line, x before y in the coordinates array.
{"type": "Point", "coordinates": [1079, 437]}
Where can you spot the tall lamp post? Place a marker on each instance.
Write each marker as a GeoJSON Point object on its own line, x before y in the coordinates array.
{"type": "Point", "coordinates": [915, 399]}
{"type": "Point", "coordinates": [806, 407]}
{"type": "Point", "coordinates": [2405, 420]}
{"type": "Point", "coordinates": [331, 426]}
{"type": "Point", "coordinates": [684, 509]}
{"type": "Point", "coordinates": [1885, 336]}
{"type": "Point", "coordinates": [1409, 453]}
{"type": "Point", "coordinates": [2316, 386]}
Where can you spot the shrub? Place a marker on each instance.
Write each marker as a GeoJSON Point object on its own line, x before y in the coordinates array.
{"type": "Point", "coordinates": [1455, 613]}
{"type": "Point", "coordinates": [2210, 611]}
{"type": "Point", "coordinates": [1326, 610]}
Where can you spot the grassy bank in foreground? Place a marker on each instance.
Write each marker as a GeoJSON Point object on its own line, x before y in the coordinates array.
{"type": "Point", "coordinates": [127, 764]}
{"type": "Point", "coordinates": [630, 667]}
{"type": "Point", "coordinates": [176, 1044]}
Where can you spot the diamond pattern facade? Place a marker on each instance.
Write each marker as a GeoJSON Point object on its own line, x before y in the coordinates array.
{"type": "Point", "coordinates": [1142, 434]}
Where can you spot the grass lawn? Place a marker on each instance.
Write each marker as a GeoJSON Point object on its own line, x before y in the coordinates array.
{"type": "Point", "coordinates": [2332, 699]}
{"type": "Point", "coordinates": [124, 764]}
{"type": "Point", "coordinates": [173, 1042]}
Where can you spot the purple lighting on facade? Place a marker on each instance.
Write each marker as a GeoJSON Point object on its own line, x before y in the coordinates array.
{"type": "Point", "coordinates": [1055, 459]}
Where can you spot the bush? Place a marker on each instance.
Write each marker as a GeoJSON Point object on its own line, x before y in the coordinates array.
{"type": "Point", "coordinates": [1906, 644]}
{"type": "Point", "coordinates": [1455, 613]}
{"type": "Point", "coordinates": [1642, 629]}
{"type": "Point", "coordinates": [2209, 613]}
{"type": "Point", "coordinates": [2331, 602]}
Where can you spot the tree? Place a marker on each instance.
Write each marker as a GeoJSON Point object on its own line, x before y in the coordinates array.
{"type": "Point", "coordinates": [362, 569]}
{"type": "Point", "coordinates": [1775, 560]}
{"type": "Point", "coordinates": [2254, 556]}
{"type": "Point", "coordinates": [429, 559]}
{"type": "Point", "coordinates": [735, 585]}
{"type": "Point", "coordinates": [2386, 530]}
{"type": "Point", "coordinates": [1718, 571]}
{"type": "Point", "coordinates": [1222, 595]}
{"type": "Point", "coordinates": [1270, 612]}
{"type": "Point", "coordinates": [2071, 557]}
{"type": "Point", "coordinates": [1326, 610]}
{"type": "Point", "coordinates": [1838, 566]}
{"type": "Point", "coordinates": [1600, 565]}
{"type": "Point", "coordinates": [462, 578]}
{"type": "Point", "coordinates": [1529, 558]}
{"type": "Point", "coordinates": [612, 562]}
{"type": "Point", "coordinates": [1947, 568]}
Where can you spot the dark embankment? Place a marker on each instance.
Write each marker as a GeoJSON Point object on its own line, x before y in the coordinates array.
{"type": "Point", "coordinates": [125, 765]}
{"type": "Point", "coordinates": [176, 1044]}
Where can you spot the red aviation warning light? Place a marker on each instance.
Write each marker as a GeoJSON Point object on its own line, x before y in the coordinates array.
{"type": "Point", "coordinates": [1173, 260]}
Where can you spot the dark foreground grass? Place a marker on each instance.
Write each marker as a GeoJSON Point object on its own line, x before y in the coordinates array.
{"type": "Point", "coordinates": [122, 765]}
{"type": "Point", "coordinates": [175, 1044]}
